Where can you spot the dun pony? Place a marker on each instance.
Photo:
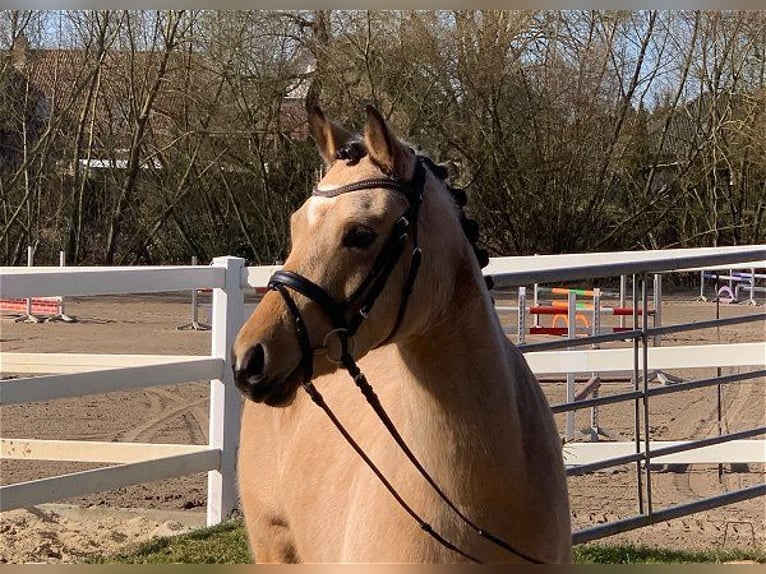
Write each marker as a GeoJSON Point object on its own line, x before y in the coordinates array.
{"type": "Point", "coordinates": [383, 283]}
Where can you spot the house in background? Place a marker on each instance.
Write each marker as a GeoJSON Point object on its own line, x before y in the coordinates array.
{"type": "Point", "coordinates": [107, 105]}
{"type": "Point", "coordinates": [24, 107]}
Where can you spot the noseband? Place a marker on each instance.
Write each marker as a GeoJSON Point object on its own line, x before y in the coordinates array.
{"type": "Point", "coordinates": [347, 317]}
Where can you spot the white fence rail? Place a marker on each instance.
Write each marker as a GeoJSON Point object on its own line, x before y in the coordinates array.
{"type": "Point", "coordinates": [70, 374]}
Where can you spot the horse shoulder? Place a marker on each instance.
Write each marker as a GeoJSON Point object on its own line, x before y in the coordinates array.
{"type": "Point", "coordinates": [543, 453]}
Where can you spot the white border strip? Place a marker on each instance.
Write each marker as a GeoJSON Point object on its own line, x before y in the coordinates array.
{"type": "Point", "coordinates": [44, 363]}
{"type": "Point", "coordinates": [20, 282]}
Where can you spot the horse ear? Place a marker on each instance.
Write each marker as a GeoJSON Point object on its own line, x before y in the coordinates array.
{"type": "Point", "coordinates": [328, 135]}
{"type": "Point", "coordinates": [384, 148]}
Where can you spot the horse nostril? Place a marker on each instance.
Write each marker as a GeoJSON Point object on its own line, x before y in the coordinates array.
{"type": "Point", "coordinates": [254, 361]}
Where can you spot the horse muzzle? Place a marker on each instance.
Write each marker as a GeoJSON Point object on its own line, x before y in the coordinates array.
{"type": "Point", "coordinates": [251, 380]}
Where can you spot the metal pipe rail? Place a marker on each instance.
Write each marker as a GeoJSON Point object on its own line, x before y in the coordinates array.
{"type": "Point", "coordinates": [669, 513]}
{"type": "Point", "coordinates": [647, 450]}
{"type": "Point", "coordinates": [694, 326]}
{"type": "Point", "coordinates": [678, 387]}
{"type": "Point", "coordinates": [580, 341]}
{"type": "Point", "coordinates": [636, 334]}
{"type": "Point", "coordinates": [700, 383]}
{"type": "Point", "coordinates": [519, 271]}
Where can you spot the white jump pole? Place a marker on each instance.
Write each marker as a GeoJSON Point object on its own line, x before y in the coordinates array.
{"type": "Point", "coordinates": [194, 295]}
{"type": "Point", "coordinates": [59, 315]}
{"type": "Point", "coordinates": [623, 289]}
{"type": "Point", "coordinates": [595, 330]}
{"type": "Point", "coordinates": [752, 300]}
{"type": "Point", "coordinates": [535, 303]}
{"type": "Point", "coordinates": [62, 264]}
{"type": "Point", "coordinates": [195, 325]}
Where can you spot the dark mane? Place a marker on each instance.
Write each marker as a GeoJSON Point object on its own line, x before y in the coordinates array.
{"type": "Point", "coordinates": [470, 226]}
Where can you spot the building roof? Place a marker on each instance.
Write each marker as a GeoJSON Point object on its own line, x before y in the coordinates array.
{"type": "Point", "coordinates": [64, 78]}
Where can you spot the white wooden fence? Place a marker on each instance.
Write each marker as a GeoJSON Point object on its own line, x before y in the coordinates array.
{"type": "Point", "coordinates": [71, 375]}
{"type": "Point", "coordinates": [74, 375]}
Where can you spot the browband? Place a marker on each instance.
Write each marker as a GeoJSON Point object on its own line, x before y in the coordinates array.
{"type": "Point", "coordinates": [386, 183]}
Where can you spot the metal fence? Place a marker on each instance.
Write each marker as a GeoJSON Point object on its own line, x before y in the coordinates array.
{"type": "Point", "coordinates": [642, 452]}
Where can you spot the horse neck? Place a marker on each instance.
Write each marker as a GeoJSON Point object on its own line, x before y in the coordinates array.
{"type": "Point", "coordinates": [457, 392]}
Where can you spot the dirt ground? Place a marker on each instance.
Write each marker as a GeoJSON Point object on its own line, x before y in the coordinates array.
{"type": "Point", "coordinates": [178, 414]}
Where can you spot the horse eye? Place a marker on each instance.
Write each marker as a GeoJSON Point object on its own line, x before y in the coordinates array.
{"type": "Point", "coordinates": [360, 237]}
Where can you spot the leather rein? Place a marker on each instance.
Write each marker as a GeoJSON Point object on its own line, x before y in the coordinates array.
{"type": "Point", "coordinates": [359, 305]}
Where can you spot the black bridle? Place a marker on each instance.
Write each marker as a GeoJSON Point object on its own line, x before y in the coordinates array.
{"type": "Point", "coordinates": [347, 317]}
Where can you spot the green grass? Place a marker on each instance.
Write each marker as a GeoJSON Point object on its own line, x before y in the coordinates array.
{"type": "Point", "coordinates": [222, 544]}
{"type": "Point", "coordinates": [227, 544]}
{"type": "Point", "coordinates": [629, 554]}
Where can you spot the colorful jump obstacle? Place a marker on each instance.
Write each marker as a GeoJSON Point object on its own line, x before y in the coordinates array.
{"type": "Point", "coordinates": [558, 309]}
{"type": "Point", "coordinates": [37, 309]}
{"type": "Point", "coordinates": [560, 323]}
{"type": "Point", "coordinates": [571, 318]}
{"type": "Point", "coordinates": [38, 306]}
{"type": "Point", "coordinates": [737, 282]}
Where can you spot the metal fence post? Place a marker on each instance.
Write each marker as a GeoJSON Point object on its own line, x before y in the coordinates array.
{"type": "Point", "coordinates": [522, 316]}
{"type": "Point", "coordinates": [225, 402]}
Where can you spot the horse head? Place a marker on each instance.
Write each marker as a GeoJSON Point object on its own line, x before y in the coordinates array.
{"type": "Point", "coordinates": [374, 255]}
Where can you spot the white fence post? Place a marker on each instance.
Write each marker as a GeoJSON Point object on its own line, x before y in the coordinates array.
{"type": "Point", "coordinates": [225, 401]}
{"type": "Point", "coordinates": [571, 334]}
{"type": "Point", "coordinates": [522, 316]}
{"type": "Point", "coordinates": [30, 263]}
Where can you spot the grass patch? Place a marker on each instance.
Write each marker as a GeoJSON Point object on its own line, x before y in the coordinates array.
{"type": "Point", "coordinates": [227, 544]}
{"type": "Point", "coordinates": [222, 544]}
{"type": "Point", "coordinates": [629, 554]}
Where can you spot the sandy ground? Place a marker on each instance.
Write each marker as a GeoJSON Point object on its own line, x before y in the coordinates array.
{"type": "Point", "coordinates": [147, 324]}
